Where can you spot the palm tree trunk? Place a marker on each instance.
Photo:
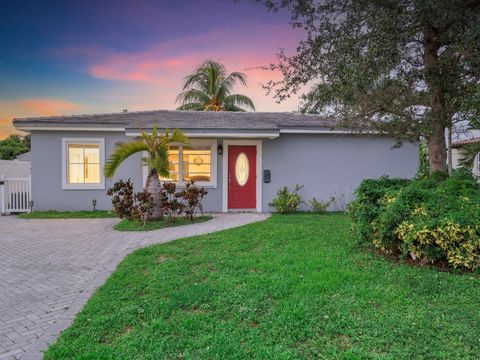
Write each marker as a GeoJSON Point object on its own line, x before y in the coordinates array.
{"type": "Point", "coordinates": [154, 188]}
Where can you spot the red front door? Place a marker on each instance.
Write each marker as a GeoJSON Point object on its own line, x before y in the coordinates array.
{"type": "Point", "coordinates": [242, 177]}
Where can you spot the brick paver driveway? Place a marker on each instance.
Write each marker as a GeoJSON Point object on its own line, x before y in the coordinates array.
{"type": "Point", "coordinates": [49, 269]}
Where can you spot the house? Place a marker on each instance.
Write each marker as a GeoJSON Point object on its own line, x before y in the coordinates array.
{"type": "Point", "coordinates": [242, 158]}
{"type": "Point", "coordinates": [456, 154]}
{"type": "Point", "coordinates": [18, 168]}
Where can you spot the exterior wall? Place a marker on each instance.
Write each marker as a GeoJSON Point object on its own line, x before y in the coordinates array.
{"type": "Point", "coordinates": [332, 165]}
{"type": "Point", "coordinates": [325, 164]}
{"type": "Point", "coordinates": [47, 189]}
{"type": "Point", "coordinates": [15, 168]}
{"type": "Point", "coordinates": [47, 192]}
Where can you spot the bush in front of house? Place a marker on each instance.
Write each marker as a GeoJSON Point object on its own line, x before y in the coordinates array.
{"type": "Point", "coordinates": [139, 206]}
{"type": "Point", "coordinates": [319, 206]}
{"type": "Point", "coordinates": [130, 205]}
{"type": "Point", "coordinates": [435, 220]}
{"type": "Point", "coordinates": [192, 196]}
{"type": "Point", "coordinates": [286, 201]}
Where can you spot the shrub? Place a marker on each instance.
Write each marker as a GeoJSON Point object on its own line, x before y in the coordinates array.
{"type": "Point", "coordinates": [320, 207]}
{"type": "Point", "coordinates": [129, 205]}
{"type": "Point", "coordinates": [431, 220]}
{"type": "Point", "coordinates": [123, 199]}
{"type": "Point", "coordinates": [366, 207]}
{"type": "Point", "coordinates": [172, 207]}
{"type": "Point", "coordinates": [143, 207]}
{"type": "Point", "coordinates": [192, 197]}
{"type": "Point", "coordinates": [287, 202]}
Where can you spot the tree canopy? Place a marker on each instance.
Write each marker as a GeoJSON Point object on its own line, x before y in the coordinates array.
{"type": "Point", "coordinates": [13, 146]}
{"type": "Point", "coordinates": [407, 68]}
{"type": "Point", "coordinates": [209, 88]}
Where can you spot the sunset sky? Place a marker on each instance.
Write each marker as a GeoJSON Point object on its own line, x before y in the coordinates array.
{"type": "Point", "coordinates": [70, 57]}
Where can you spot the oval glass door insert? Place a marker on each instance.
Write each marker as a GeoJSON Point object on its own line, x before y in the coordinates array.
{"type": "Point", "coordinates": [242, 169]}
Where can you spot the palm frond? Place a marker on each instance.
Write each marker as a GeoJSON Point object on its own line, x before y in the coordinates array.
{"type": "Point", "coordinates": [120, 154]}
{"type": "Point", "coordinates": [160, 161]}
{"type": "Point", "coordinates": [468, 153]}
{"type": "Point", "coordinates": [178, 136]}
{"type": "Point", "coordinates": [209, 87]}
{"type": "Point", "coordinates": [236, 76]}
{"type": "Point", "coordinates": [191, 106]}
{"type": "Point", "coordinates": [231, 107]}
{"type": "Point", "coordinates": [240, 101]}
{"type": "Point", "coordinates": [192, 96]}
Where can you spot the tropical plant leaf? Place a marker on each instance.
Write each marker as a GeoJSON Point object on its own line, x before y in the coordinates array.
{"type": "Point", "coordinates": [120, 154]}
{"type": "Point", "coordinates": [468, 153]}
{"type": "Point", "coordinates": [209, 88]}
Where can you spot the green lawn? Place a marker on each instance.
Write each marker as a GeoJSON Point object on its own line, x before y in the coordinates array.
{"type": "Point", "coordinates": [53, 214]}
{"type": "Point", "coordinates": [290, 287]}
{"type": "Point", "coordinates": [130, 225]}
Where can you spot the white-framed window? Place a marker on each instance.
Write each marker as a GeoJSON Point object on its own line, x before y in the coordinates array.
{"type": "Point", "coordinates": [196, 161]}
{"type": "Point", "coordinates": [83, 160]}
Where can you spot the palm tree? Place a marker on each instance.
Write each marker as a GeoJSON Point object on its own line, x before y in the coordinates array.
{"type": "Point", "coordinates": [209, 88]}
{"type": "Point", "coordinates": [468, 153]}
{"type": "Point", "coordinates": [156, 145]}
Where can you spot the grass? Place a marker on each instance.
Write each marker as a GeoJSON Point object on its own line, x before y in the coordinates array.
{"type": "Point", "coordinates": [53, 214]}
{"type": "Point", "coordinates": [290, 287]}
{"type": "Point", "coordinates": [132, 225]}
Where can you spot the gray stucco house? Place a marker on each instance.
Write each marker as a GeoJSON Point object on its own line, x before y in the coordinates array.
{"type": "Point", "coordinates": [242, 158]}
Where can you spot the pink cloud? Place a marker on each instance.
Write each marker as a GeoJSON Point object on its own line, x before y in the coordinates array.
{"type": "Point", "coordinates": [151, 78]}
{"type": "Point", "coordinates": [241, 48]}
{"type": "Point", "coordinates": [33, 107]}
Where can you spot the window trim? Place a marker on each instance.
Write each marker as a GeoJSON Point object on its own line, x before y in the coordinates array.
{"type": "Point", "coordinates": [82, 141]}
{"type": "Point", "coordinates": [214, 165]}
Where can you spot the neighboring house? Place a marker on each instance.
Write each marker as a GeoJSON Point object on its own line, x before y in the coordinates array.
{"type": "Point", "coordinates": [18, 168]}
{"type": "Point", "coordinates": [242, 158]}
{"type": "Point", "coordinates": [456, 154]}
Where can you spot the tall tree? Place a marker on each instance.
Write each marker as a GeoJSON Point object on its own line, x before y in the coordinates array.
{"type": "Point", "coordinates": [401, 67]}
{"type": "Point", "coordinates": [209, 88]}
{"type": "Point", "coordinates": [13, 146]}
{"type": "Point", "coordinates": [156, 145]}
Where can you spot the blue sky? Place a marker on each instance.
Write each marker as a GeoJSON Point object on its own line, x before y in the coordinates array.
{"type": "Point", "coordinates": [65, 57]}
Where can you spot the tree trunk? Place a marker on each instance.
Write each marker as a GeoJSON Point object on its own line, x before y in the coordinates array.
{"type": "Point", "coordinates": [437, 118]}
{"type": "Point", "coordinates": [449, 154]}
{"type": "Point", "coordinates": [437, 149]}
{"type": "Point", "coordinates": [154, 188]}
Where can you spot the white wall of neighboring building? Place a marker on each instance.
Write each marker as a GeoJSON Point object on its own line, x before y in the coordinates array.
{"type": "Point", "coordinates": [15, 168]}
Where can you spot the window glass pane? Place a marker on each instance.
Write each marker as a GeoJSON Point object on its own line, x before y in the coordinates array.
{"type": "Point", "coordinates": [197, 163]}
{"type": "Point", "coordinates": [173, 164]}
{"type": "Point", "coordinates": [75, 154]}
{"type": "Point", "coordinates": [92, 173]}
{"type": "Point", "coordinates": [75, 174]}
{"type": "Point", "coordinates": [83, 164]}
{"type": "Point", "coordinates": [92, 154]}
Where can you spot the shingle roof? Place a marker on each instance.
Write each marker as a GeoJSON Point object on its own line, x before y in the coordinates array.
{"type": "Point", "coordinates": [185, 120]}
{"type": "Point", "coordinates": [458, 144]}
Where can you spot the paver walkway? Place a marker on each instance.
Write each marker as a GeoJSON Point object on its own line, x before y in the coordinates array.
{"type": "Point", "coordinates": [49, 269]}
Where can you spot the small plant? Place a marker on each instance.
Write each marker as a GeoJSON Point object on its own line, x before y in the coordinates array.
{"type": "Point", "coordinates": [123, 199]}
{"type": "Point", "coordinates": [192, 197]}
{"type": "Point", "coordinates": [130, 205]}
{"type": "Point", "coordinates": [143, 207]}
{"type": "Point", "coordinates": [172, 207]}
{"type": "Point", "coordinates": [287, 202]}
{"type": "Point", "coordinates": [320, 207]}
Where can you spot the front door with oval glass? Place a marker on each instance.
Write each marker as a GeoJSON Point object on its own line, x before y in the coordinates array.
{"type": "Point", "coordinates": [242, 177]}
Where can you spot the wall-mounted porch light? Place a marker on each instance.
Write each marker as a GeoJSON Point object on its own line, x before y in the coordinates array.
{"type": "Point", "coordinates": [220, 149]}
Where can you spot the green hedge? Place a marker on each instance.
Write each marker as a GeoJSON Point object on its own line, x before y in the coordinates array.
{"type": "Point", "coordinates": [429, 220]}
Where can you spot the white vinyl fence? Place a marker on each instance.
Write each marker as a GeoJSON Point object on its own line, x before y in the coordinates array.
{"type": "Point", "coordinates": [15, 194]}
